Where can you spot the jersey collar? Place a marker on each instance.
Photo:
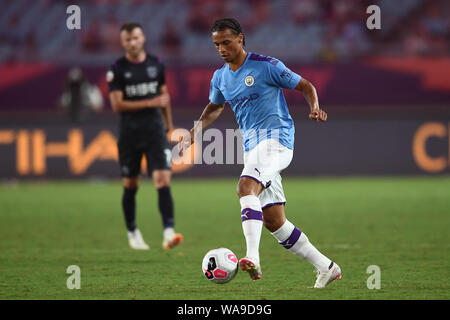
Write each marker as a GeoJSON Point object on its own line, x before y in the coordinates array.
{"type": "Point", "coordinates": [237, 71]}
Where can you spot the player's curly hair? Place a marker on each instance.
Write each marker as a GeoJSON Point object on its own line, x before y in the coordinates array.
{"type": "Point", "coordinates": [228, 23]}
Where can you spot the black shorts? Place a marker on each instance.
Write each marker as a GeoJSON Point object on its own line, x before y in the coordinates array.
{"type": "Point", "coordinates": [154, 146]}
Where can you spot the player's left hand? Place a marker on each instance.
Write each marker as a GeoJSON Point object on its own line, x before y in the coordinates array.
{"type": "Point", "coordinates": [319, 115]}
{"type": "Point", "coordinates": [184, 142]}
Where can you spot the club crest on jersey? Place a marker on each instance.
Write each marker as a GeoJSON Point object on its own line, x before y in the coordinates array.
{"type": "Point", "coordinates": [249, 81]}
{"type": "Point", "coordinates": [152, 72]}
{"type": "Point", "coordinates": [127, 75]}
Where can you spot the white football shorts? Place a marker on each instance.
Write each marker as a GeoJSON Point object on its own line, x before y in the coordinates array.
{"type": "Point", "coordinates": [264, 163]}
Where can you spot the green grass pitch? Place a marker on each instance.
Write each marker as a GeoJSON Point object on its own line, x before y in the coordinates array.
{"type": "Point", "coordinates": [399, 224]}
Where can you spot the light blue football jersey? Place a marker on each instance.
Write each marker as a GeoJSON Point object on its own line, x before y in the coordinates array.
{"type": "Point", "coordinates": [255, 94]}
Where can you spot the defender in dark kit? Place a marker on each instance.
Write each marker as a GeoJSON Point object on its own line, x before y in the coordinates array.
{"type": "Point", "coordinates": [139, 94]}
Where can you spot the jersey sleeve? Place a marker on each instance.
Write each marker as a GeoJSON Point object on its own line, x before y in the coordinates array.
{"type": "Point", "coordinates": [113, 78]}
{"type": "Point", "coordinates": [282, 76]}
{"type": "Point", "coordinates": [215, 95]}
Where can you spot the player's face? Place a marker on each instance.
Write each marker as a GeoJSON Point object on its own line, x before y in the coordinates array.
{"type": "Point", "coordinates": [132, 42]}
{"type": "Point", "coordinates": [227, 44]}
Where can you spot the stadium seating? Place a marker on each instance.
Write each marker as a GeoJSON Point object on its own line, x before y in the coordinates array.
{"type": "Point", "coordinates": [303, 29]}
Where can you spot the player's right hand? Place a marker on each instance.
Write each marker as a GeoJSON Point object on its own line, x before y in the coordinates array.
{"type": "Point", "coordinates": [161, 101]}
{"type": "Point", "coordinates": [319, 115]}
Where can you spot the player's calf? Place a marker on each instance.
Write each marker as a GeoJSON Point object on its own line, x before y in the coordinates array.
{"type": "Point", "coordinates": [298, 243]}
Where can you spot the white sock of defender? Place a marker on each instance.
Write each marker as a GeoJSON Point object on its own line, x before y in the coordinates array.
{"type": "Point", "coordinates": [252, 222]}
{"type": "Point", "coordinates": [297, 242]}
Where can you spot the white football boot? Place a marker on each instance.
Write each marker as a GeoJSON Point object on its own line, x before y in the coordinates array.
{"type": "Point", "coordinates": [324, 278]}
{"type": "Point", "coordinates": [252, 267]}
{"type": "Point", "coordinates": [171, 239]}
{"type": "Point", "coordinates": [136, 241]}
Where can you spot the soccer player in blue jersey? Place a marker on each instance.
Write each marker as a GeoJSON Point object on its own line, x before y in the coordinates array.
{"type": "Point", "coordinates": [252, 85]}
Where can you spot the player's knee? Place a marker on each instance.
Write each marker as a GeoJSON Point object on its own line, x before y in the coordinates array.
{"type": "Point", "coordinates": [272, 224]}
{"type": "Point", "coordinates": [162, 183]}
{"type": "Point", "coordinates": [243, 190]}
{"type": "Point", "coordinates": [247, 187]}
{"type": "Point", "coordinates": [130, 183]}
{"type": "Point", "coordinates": [161, 178]}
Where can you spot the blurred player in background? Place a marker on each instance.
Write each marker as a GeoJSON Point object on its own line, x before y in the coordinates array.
{"type": "Point", "coordinates": [80, 98]}
{"type": "Point", "coordinates": [252, 84]}
{"type": "Point", "coordinates": [139, 94]}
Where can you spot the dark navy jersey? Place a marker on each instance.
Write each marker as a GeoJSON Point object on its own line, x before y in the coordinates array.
{"type": "Point", "coordinates": [138, 81]}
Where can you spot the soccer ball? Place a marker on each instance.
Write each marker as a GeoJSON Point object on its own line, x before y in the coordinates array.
{"type": "Point", "coordinates": [220, 265]}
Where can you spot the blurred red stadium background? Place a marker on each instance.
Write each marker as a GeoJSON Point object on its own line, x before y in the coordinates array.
{"type": "Point", "coordinates": [387, 91]}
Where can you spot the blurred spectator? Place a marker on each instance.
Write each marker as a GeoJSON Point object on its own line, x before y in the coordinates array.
{"type": "Point", "coordinates": [80, 98]}
{"type": "Point", "coordinates": [92, 39]}
{"type": "Point", "coordinates": [14, 35]}
{"type": "Point", "coordinates": [429, 35]}
{"type": "Point", "coordinates": [415, 43]}
{"type": "Point", "coordinates": [353, 34]}
{"type": "Point", "coordinates": [327, 53]}
{"type": "Point", "coordinates": [435, 22]}
{"type": "Point", "coordinates": [171, 40]}
{"type": "Point", "coordinates": [260, 14]}
{"type": "Point", "coordinates": [436, 26]}
{"type": "Point", "coordinates": [109, 35]}
{"type": "Point", "coordinates": [334, 28]}
{"type": "Point", "coordinates": [346, 32]}
{"type": "Point", "coordinates": [203, 13]}
{"type": "Point", "coordinates": [304, 11]}
{"type": "Point", "coordinates": [199, 16]}
{"type": "Point", "coordinates": [30, 45]}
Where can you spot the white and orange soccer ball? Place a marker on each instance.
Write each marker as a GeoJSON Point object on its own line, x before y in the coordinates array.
{"type": "Point", "coordinates": [220, 265]}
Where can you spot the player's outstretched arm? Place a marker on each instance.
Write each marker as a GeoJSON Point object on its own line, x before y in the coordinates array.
{"type": "Point", "coordinates": [310, 94]}
{"type": "Point", "coordinates": [209, 115]}
{"type": "Point", "coordinates": [120, 105]}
